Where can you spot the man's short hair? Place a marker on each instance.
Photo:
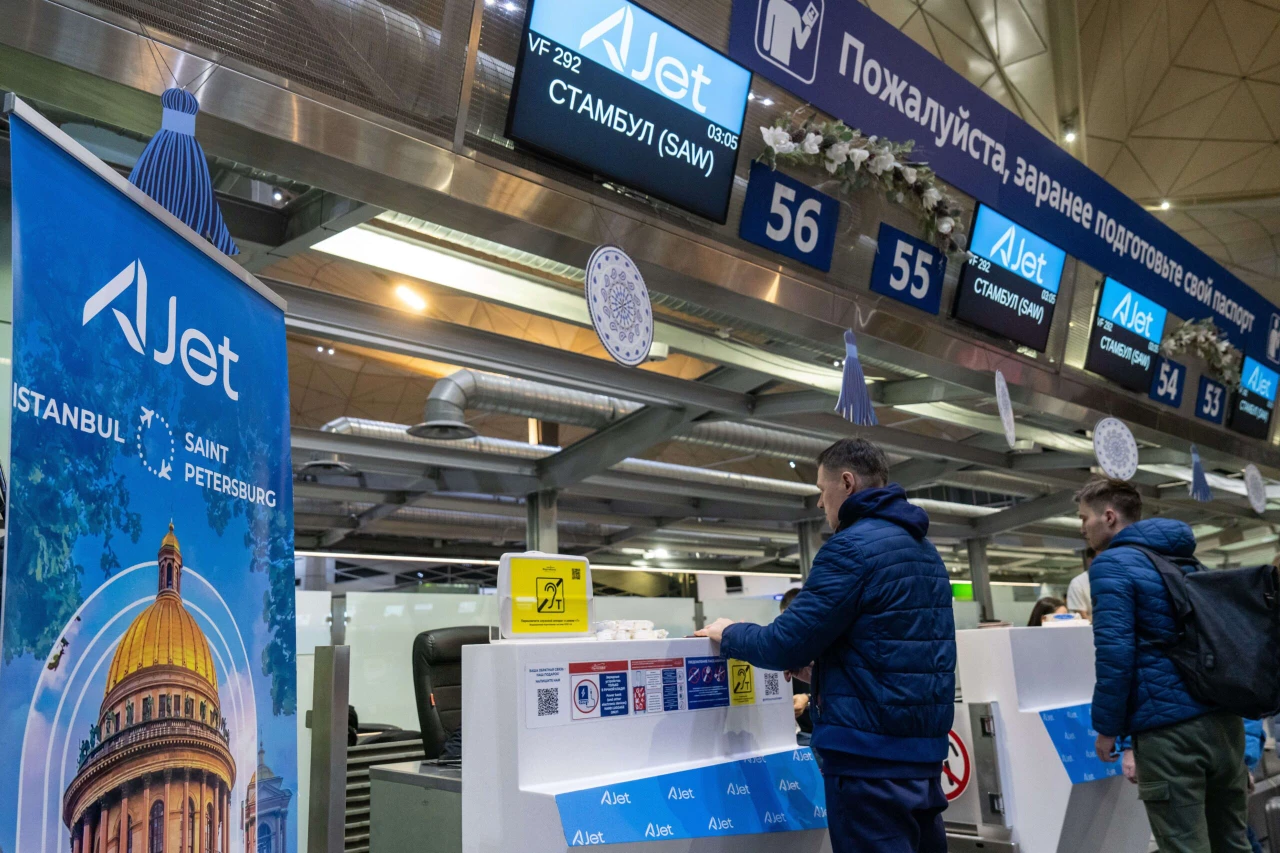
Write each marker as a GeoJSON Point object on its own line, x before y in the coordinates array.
{"type": "Point", "coordinates": [1102, 492]}
{"type": "Point", "coordinates": [858, 456]}
{"type": "Point", "coordinates": [788, 597]}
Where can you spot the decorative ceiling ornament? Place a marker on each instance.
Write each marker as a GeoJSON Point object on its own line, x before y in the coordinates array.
{"type": "Point", "coordinates": [618, 301]}
{"type": "Point", "coordinates": [1005, 405]}
{"type": "Point", "coordinates": [854, 404]}
{"type": "Point", "coordinates": [1199, 483]}
{"type": "Point", "coordinates": [1115, 449]}
{"type": "Point", "coordinates": [1256, 489]}
{"type": "Point", "coordinates": [172, 169]}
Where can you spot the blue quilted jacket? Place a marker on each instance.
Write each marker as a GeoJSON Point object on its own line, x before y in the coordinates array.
{"type": "Point", "coordinates": [875, 618]}
{"type": "Point", "coordinates": [1138, 687]}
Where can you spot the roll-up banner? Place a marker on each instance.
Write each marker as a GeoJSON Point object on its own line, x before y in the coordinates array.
{"type": "Point", "coordinates": [848, 61]}
{"type": "Point", "coordinates": [147, 672]}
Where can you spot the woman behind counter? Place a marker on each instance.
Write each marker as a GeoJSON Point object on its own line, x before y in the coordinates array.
{"type": "Point", "coordinates": [1045, 607]}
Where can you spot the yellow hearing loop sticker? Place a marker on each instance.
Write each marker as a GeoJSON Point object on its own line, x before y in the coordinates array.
{"type": "Point", "coordinates": [742, 683]}
{"type": "Point", "coordinates": [549, 595]}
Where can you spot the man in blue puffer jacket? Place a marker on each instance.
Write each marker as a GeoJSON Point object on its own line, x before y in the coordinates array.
{"type": "Point", "coordinates": [1188, 755]}
{"type": "Point", "coordinates": [875, 619]}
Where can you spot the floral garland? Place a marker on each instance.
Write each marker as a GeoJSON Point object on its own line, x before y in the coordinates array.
{"type": "Point", "coordinates": [1202, 338]}
{"type": "Point", "coordinates": [866, 162]}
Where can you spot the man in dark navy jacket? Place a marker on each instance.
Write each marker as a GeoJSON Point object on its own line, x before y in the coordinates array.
{"type": "Point", "coordinates": [1188, 755]}
{"type": "Point", "coordinates": [875, 620]}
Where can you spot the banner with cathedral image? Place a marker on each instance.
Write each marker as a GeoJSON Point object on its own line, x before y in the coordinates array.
{"type": "Point", "coordinates": [147, 670]}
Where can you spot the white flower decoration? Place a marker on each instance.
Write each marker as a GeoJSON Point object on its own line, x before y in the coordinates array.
{"type": "Point", "coordinates": [858, 156]}
{"type": "Point", "coordinates": [881, 163]}
{"type": "Point", "coordinates": [778, 139]}
{"type": "Point", "coordinates": [929, 200]}
{"type": "Point", "coordinates": [946, 224]}
{"type": "Point", "coordinates": [812, 143]}
{"type": "Point", "coordinates": [908, 174]}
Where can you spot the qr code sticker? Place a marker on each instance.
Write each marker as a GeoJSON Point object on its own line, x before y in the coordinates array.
{"type": "Point", "coordinates": [548, 702]}
{"type": "Point", "coordinates": [577, 574]}
{"type": "Point", "coordinates": [771, 686]}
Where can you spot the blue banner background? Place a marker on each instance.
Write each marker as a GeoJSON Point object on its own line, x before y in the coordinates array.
{"type": "Point", "coordinates": [88, 512]}
{"type": "Point", "coordinates": [1071, 730]}
{"type": "Point", "coordinates": [780, 792]}
{"type": "Point", "coordinates": [905, 71]}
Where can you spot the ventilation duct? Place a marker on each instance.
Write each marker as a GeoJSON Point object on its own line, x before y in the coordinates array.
{"type": "Point", "coordinates": [444, 417]}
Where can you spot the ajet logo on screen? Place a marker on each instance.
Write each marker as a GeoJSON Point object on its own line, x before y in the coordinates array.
{"type": "Point", "coordinates": [193, 346]}
{"type": "Point", "coordinates": [1003, 241]}
{"type": "Point", "coordinates": [670, 75]}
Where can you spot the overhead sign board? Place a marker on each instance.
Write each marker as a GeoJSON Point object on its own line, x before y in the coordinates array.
{"type": "Point", "coordinates": [1254, 400]}
{"type": "Point", "coordinates": [908, 269]}
{"type": "Point", "coordinates": [789, 217]}
{"type": "Point", "coordinates": [846, 60]}
{"type": "Point", "coordinates": [618, 91]}
{"type": "Point", "coordinates": [1125, 341]}
{"type": "Point", "coordinates": [1010, 285]}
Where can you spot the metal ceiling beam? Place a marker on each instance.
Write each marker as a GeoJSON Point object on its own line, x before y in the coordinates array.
{"type": "Point", "coordinates": [374, 514]}
{"type": "Point", "coordinates": [1050, 460]}
{"type": "Point", "coordinates": [909, 443]}
{"type": "Point", "coordinates": [920, 472]}
{"type": "Point", "coordinates": [315, 217]}
{"type": "Point", "coordinates": [634, 434]}
{"type": "Point", "coordinates": [793, 403]}
{"type": "Point", "coordinates": [907, 392]}
{"type": "Point", "coordinates": [1023, 514]}
{"type": "Point", "coordinates": [364, 324]}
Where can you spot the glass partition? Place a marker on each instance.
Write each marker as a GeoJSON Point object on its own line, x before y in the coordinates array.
{"type": "Point", "coordinates": [762, 611]}
{"type": "Point", "coordinates": [673, 614]}
{"type": "Point", "coordinates": [381, 627]}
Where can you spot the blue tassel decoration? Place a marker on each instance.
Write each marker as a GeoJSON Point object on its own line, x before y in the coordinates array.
{"type": "Point", "coordinates": [855, 402]}
{"type": "Point", "coordinates": [174, 172]}
{"type": "Point", "coordinates": [1199, 484]}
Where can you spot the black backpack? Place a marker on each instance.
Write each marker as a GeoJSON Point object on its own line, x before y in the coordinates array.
{"type": "Point", "coordinates": [1228, 644]}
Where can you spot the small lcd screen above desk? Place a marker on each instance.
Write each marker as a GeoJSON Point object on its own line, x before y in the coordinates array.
{"type": "Point", "coordinates": [1126, 336]}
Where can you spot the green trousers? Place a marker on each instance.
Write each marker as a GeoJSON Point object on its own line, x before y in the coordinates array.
{"type": "Point", "coordinates": [1193, 782]}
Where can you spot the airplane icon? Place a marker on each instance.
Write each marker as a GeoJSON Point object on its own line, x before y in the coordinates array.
{"type": "Point", "coordinates": [146, 416]}
{"type": "Point", "coordinates": [165, 468]}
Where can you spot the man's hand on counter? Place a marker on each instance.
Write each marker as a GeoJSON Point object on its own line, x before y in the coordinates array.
{"type": "Point", "coordinates": [801, 703]}
{"type": "Point", "coordinates": [1106, 747]}
{"type": "Point", "coordinates": [714, 631]}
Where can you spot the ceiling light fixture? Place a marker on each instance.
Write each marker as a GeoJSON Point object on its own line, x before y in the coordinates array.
{"type": "Point", "coordinates": [277, 195]}
{"type": "Point", "coordinates": [411, 297]}
{"type": "Point", "coordinates": [768, 102]}
{"type": "Point", "coordinates": [1070, 136]}
{"type": "Point", "coordinates": [1164, 205]}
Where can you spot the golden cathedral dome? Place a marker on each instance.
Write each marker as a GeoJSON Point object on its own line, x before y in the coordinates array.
{"type": "Point", "coordinates": [164, 634]}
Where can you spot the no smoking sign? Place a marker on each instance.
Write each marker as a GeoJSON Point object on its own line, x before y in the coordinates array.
{"type": "Point", "coordinates": [956, 768]}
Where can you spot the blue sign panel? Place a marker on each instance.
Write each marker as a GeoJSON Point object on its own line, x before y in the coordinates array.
{"type": "Point", "coordinates": [151, 484]}
{"type": "Point", "coordinates": [1001, 240]}
{"type": "Point", "coordinates": [1169, 380]}
{"type": "Point", "coordinates": [707, 682]}
{"type": "Point", "coordinates": [1125, 340]}
{"type": "Point", "coordinates": [781, 792]}
{"type": "Point", "coordinates": [789, 217]}
{"type": "Point", "coordinates": [848, 61]}
{"type": "Point", "coordinates": [1211, 400]}
{"type": "Point", "coordinates": [1071, 730]}
{"type": "Point", "coordinates": [1254, 400]}
{"type": "Point", "coordinates": [619, 91]}
{"type": "Point", "coordinates": [908, 269]}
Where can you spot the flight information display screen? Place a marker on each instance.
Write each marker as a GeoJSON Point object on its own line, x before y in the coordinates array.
{"type": "Point", "coordinates": [1126, 336]}
{"type": "Point", "coordinates": [1010, 284]}
{"type": "Point", "coordinates": [1254, 400]}
{"type": "Point", "coordinates": [615, 90]}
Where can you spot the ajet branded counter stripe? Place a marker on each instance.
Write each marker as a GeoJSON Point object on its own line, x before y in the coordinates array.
{"type": "Point", "coordinates": [1254, 401]}
{"type": "Point", "coordinates": [780, 792]}
{"type": "Point", "coordinates": [1125, 341]}
{"type": "Point", "coordinates": [1010, 285]}
{"type": "Point", "coordinates": [1071, 730]}
{"type": "Point", "coordinates": [617, 90]}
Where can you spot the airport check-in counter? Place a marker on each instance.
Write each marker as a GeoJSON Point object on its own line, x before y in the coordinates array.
{"type": "Point", "coordinates": [1024, 775]}
{"type": "Point", "coordinates": [653, 745]}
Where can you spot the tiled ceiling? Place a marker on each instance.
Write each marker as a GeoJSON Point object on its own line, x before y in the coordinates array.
{"type": "Point", "coordinates": [1182, 104]}
{"type": "Point", "coordinates": [1001, 46]}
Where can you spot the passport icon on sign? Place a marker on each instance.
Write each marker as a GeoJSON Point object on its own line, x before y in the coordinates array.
{"type": "Point", "coordinates": [788, 37]}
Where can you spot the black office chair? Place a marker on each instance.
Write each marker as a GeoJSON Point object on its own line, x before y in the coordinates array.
{"type": "Point", "coordinates": [437, 682]}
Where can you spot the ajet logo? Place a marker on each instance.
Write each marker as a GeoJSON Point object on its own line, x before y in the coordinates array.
{"type": "Point", "coordinates": [612, 799]}
{"type": "Point", "coordinates": [584, 839]}
{"type": "Point", "coordinates": [680, 794]}
{"type": "Point", "coordinates": [672, 76]}
{"type": "Point", "coordinates": [193, 346]}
